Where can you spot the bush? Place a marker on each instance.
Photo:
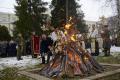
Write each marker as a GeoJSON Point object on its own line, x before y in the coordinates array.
{"type": "Point", "coordinates": [4, 33]}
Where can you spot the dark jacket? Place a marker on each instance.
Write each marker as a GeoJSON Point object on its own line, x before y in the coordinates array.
{"type": "Point", "coordinates": [106, 39]}
{"type": "Point", "coordinates": [106, 43]}
{"type": "Point", "coordinates": [44, 45]}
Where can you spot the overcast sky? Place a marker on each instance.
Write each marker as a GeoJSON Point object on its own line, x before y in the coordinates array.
{"type": "Point", "coordinates": [91, 8]}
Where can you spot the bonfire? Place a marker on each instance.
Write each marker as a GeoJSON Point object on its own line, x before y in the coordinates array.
{"type": "Point", "coordinates": [70, 58]}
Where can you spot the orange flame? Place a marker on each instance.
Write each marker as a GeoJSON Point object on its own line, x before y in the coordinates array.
{"type": "Point", "coordinates": [67, 26]}
{"type": "Point", "coordinates": [73, 37]}
{"type": "Point", "coordinates": [77, 59]}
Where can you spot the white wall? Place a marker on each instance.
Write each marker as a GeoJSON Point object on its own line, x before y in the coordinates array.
{"type": "Point", "coordinates": [7, 19]}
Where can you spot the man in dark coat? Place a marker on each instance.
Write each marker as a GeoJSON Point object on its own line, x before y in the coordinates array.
{"type": "Point", "coordinates": [45, 45]}
{"type": "Point", "coordinates": [28, 47]}
{"type": "Point", "coordinates": [11, 49]}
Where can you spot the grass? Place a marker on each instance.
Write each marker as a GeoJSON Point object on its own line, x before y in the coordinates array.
{"type": "Point", "coordinates": [11, 74]}
{"type": "Point", "coordinates": [109, 59]}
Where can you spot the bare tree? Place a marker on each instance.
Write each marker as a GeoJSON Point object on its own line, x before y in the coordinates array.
{"type": "Point", "coordinates": [115, 20]}
{"type": "Point", "coordinates": [115, 4]}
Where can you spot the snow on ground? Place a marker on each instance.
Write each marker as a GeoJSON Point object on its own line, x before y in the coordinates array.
{"type": "Point", "coordinates": [115, 49]}
{"type": "Point", "coordinates": [27, 61]}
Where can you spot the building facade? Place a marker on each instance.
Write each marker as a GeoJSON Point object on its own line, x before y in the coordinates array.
{"type": "Point", "coordinates": [90, 25]}
{"type": "Point", "coordinates": [7, 19]}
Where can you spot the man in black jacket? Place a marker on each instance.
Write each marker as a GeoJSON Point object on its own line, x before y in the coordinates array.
{"type": "Point", "coordinates": [45, 45]}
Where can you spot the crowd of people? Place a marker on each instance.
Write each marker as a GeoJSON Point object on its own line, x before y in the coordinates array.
{"type": "Point", "coordinates": [92, 44]}
{"type": "Point", "coordinates": [7, 48]}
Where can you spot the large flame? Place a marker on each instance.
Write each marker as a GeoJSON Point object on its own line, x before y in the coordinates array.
{"type": "Point", "coordinates": [67, 26]}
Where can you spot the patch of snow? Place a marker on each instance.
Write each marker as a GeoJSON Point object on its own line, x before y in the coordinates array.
{"type": "Point", "coordinates": [27, 61]}
{"type": "Point", "coordinates": [115, 49]}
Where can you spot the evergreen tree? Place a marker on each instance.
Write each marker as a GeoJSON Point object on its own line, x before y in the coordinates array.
{"type": "Point", "coordinates": [81, 26]}
{"type": "Point", "coordinates": [30, 15]}
{"type": "Point", "coordinates": [58, 13]}
{"type": "Point", "coordinates": [23, 23]}
{"type": "Point", "coordinates": [37, 13]}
